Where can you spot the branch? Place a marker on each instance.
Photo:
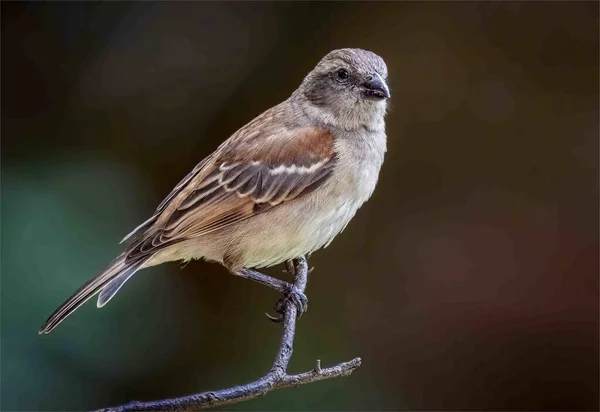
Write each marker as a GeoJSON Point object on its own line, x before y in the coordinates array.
{"type": "Point", "coordinates": [276, 378]}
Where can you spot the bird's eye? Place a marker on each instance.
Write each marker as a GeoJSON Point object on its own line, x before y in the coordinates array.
{"type": "Point", "coordinates": [342, 74]}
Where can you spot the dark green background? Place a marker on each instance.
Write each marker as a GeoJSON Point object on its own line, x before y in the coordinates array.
{"type": "Point", "coordinates": [469, 281]}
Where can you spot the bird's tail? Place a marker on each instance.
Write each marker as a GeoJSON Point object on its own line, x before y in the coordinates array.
{"type": "Point", "coordinates": [107, 284]}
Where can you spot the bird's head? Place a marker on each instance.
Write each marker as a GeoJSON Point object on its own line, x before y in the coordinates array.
{"type": "Point", "coordinates": [348, 87]}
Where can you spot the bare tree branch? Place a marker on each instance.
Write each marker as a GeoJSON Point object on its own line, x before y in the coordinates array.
{"type": "Point", "coordinates": [276, 378]}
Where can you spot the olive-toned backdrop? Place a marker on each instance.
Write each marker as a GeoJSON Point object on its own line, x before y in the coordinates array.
{"type": "Point", "coordinates": [469, 281]}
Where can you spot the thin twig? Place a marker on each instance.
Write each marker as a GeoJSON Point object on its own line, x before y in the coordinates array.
{"type": "Point", "coordinates": [276, 378]}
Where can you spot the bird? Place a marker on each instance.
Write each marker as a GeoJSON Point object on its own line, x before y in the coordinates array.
{"type": "Point", "coordinates": [281, 187]}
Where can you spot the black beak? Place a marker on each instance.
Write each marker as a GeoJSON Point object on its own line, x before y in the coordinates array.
{"type": "Point", "coordinates": [375, 88]}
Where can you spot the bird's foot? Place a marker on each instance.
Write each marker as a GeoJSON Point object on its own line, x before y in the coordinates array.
{"type": "Point", "coordinates": [289, 268]}
{"type": "Point", "coordinates": [296, 297]}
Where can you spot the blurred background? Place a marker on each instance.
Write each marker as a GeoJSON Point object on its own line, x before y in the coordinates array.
{"type": "Point", "coordinates": [468, 282]}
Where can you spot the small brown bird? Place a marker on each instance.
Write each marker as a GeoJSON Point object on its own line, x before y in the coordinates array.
{"type": "Point", "coordinates": [279, 188]}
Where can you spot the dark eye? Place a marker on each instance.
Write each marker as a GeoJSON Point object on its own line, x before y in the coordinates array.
{"type": "Point", "coordinates": [342, 74]}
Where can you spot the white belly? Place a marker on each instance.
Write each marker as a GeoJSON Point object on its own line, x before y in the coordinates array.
{"type": "Point", "coordinates": [304, 226]}
{"type": "Point", "coordinates": [303, 234]}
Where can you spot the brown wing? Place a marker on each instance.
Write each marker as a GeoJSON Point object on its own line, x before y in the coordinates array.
{"type": "Point", "coordinates": [262, 125]}
{"type": "Point", "coordinates": [252, 172]}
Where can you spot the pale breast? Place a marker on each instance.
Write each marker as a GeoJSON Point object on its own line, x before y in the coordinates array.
{"type": "Point", "coordinates": [294, 230]}
{"type": "Point", "coordinates": [311, 223]}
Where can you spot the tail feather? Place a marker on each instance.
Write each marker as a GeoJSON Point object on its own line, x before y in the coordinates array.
{"type": "Point", "coordinates": [119, 271]}
{"type": "Point", "coordinates": [115, 284]}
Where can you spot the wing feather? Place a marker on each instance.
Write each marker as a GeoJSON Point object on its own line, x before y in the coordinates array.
{"type": "Point", "coordinates": [251, 173]}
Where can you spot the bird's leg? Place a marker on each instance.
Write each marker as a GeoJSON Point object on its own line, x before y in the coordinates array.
{"type": "Point", "coordinates": [293, 294]}
{"type": "Point", "coordinates": [279, 285]}
{"type": "Point", "coordinates": [288, 290]}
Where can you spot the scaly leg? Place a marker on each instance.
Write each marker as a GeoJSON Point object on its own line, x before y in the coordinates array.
{"type": "Point", "coordinates": [288, 290]}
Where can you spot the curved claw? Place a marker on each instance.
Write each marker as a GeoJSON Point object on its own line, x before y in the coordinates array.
{"type": "Point", "coordinates": [276, 319]}
{"type": "Point", "coordinates": [298, 298]}
{"type": "Point", "coordinates": [294, 296]}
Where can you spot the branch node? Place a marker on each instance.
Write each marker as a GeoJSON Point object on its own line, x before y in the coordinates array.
{"type": "Point", "coordinates": [277, 373]}
{"type": "Point", "coordinates": [318, 369]}
{"type": "Point", "coordinates": [211, 397]}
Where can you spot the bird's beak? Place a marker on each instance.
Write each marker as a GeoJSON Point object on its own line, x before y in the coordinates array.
{"type": "Point", "coordinates": [375, 88]}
